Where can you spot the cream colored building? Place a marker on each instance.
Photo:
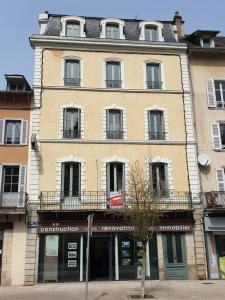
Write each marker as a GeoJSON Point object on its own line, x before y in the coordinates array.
{"type": "Point", "coordinates": [108, 92]}
{"type": "Point", "coordinates": [207, 66]}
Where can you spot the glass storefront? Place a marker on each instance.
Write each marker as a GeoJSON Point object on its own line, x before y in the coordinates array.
{"type": "Point", "coordinates": [62, 257]}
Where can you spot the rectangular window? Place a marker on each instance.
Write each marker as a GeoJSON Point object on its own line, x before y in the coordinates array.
{"type": "Point", "coordinates": [115, 177]}
{"type": "Point", "coordinates": [151, 34]}
{"type": "Point", "coordinates": [112, 31]}
{"type": "Point", "coordinates": [72, 123]}
{"type": "Point", "coordinates": [113, 74]}
{"type": "Point", "coordinates": [12, 132]}
{"type": "Point", "coordinates": [11, 179]}
{"type": "Point", "coordinates": [206, 42]}
{"type": "Point", "coordinates": [71, 179]}
{"type": "Point", "coordinates": [73, 29]}
{"type": "Point", "coordinates": [72, 73]}
{"type": "Point", "coordinates": [222, 134]}
{"type": "Point", "coordinates": [114, 124]}
{"type": "Point", "coordinates": [155, 125]}
{"type": "Point", "coordinates": [158, 174]}
{"type": "Point", "coordinates": [153, 76]}
{"type": "Point", "coordinates": [220, 93]}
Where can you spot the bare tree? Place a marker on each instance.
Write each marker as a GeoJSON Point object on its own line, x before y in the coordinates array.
{"type": "Point", "coordinates": [141, 209]}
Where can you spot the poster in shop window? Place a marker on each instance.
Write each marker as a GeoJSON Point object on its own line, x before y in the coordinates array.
{"type": "Point", "coordinates": [222, 267]}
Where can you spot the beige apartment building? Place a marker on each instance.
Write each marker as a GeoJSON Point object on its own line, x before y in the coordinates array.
{"type": "Point", "coordinates": [15, 106]}
{"type": "Point", "coordinates": [108, 92]}
{"type": "Point", "coordinates": [207, 66]}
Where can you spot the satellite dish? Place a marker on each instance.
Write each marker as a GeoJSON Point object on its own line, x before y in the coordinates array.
{"type": "Point", "coordinates": [204, 160]}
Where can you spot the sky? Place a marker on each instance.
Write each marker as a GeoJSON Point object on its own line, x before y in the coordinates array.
{"type": "Point", "coordinates": [19, 20]}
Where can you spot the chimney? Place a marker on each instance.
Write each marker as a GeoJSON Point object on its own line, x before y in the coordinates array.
{"type": "Point", "coordinates": [179, 23]}
{"type": "Point", "coordinates": [43, 20]}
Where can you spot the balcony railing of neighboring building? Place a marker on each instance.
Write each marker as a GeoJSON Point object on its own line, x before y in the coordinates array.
{"type": "Point", "coordinates": [71, 134]}
{"type": "Point", "coordinates": [104, 200]}
{"type": "Point", "coordinates": [13, 200]}
{"type": "Point", "coordinates": [157, 85]}
{"type": "Point", "coordinates": [114, 134]}
{"type": "Point", "coordinates": [72, 81]}
{"type": "Point", "coordinates": [113, 83]}
{"type": "Point", "coordinates": [214, 200]}
{"type": "Point", "coordinates": [157, 135]}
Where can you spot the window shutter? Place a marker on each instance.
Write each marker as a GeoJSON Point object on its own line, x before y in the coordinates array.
{"type": "Point", "coordinates": [22, 180]}
{"type": "Point", "coordinates": [220, 180]}
{"type": "Point", "coordinates": [211, 93]}
{"type": "Point", "coordinates": [24, 132]}
{"type": "Point", "coordinates": [1, 169]}
{"type": "Point", "coordinates": [1, 131]}
{"type": "Point", "coordinates": [216, 136]}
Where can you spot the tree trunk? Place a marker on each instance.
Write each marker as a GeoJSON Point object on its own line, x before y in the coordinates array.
{"type": "Point", "coordinates": [143, 272]}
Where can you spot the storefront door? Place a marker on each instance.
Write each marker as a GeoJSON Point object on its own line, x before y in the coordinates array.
{"type": "Point", "coordinates": [175, 256]}
{"type": "Point", "coordinates": [100, 258]}
{"type": "Point", "coordinates": [1, 246]}
{"type": "Point", "coordinates": [220, 247]}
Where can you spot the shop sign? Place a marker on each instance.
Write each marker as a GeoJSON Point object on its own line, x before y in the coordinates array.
{"type": "Point", "coordinates": [79, 228]}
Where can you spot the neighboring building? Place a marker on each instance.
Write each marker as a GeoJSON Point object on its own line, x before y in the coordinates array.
{"type": "Point", "coordinates": [15, 104]}
{"type": "Point", "coordinates": [207, 66]}
{"type": "Point", "coordinates": [108, 92]}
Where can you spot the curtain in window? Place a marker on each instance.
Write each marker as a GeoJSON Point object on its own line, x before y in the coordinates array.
{"type": "Point", "coordinates": [112, 31]}
{"type": "Point", "coordinates": [73, 29]}
{"type": "Point", "coordinates": [153, 76]}
{"type": "Point", "coordinates": [151, 34]}
{"type": "Point", "coordinates": [72, 123]}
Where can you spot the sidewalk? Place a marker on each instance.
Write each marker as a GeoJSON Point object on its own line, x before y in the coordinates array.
{"type": "Point", "coordinates": [161, 290]}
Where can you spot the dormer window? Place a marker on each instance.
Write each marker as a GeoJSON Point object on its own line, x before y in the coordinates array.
{"type": "Point", "coordinates": [151, 31]}
{"type": "Point", "coordinates": [73, 27]}
{"type": "Point", "coordinates": [206, 42]}
{"type": "Point", "coordinates": [112, 29]}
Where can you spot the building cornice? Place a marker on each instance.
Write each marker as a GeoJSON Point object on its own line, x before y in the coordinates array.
{"type": "Point", "coordinates": [53, 42]}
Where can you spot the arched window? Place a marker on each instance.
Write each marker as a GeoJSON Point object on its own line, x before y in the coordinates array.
{"type": "Point", "coordinates": [73, 26]}
{"type": "Point", "coordinates": [112, 31]}
{"type": "Point", "coordinates": [151, 33]}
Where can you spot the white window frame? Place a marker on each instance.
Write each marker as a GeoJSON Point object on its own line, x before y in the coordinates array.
{"type": "Point", "coordinates": [219, 182]}
{"type": "Point", "coordinates": [162, 72]}
{"type": "Point", "coordinates": [212, 42]}
{"type": "Point", "coordinates": [217, 136]}
{"type": "Point", "coordinates": [159, 159]}
{"type": "Point", "coordinates": [221, 93]}
{"type": "Point", "coordinates": [104, 120]}
{"type": "Point", "coordinates": [165, 120]}
{"type": "Point", "coordinates": [80, 20]}
{"type": "Point", "coordinates": [61, 119]}
{"type": "Point", "coordinates": [158, 25]}
{"type": "Point", "coordinates": [113, 59]}
{"type": "Point", "coordinates": [63, 66]}
{"type": "Point", "coordinates": [2, 142]}
{"type": "Point", "coordinates": [104, 22]}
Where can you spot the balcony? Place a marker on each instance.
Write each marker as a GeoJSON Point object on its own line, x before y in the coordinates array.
{"type": "Point", "coordinates": [71, 134]}
{"type": "Point", "coordinates": [113, 134]}
{"type": "Point", "coordinates": [72, 81]}
{"type": "Point", "coordinates": [157, 136]}
{"type": "Point", "coordinates": [13, 201]}
{"type": "Point", "coordinates": [154, 85]}
{"type": "Point", "coordinates": [113, 83]}
{"type": "Point", "coordinates": [60, 201]}
{"type": "Point", "coordinates": [214, 200]}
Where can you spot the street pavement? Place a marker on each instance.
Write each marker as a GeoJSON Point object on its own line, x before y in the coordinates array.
{"type": "Point", "coordinates": [161, 290]}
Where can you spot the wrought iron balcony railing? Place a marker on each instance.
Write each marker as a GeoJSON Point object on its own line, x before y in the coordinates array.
{"type": "Point", "coordinates": [71, 134]}
{"type": "Point", "coordinates": [13, 200]}
{"type": "Point", "coordinates": [105, 200]}
{"type": "Point", "coordinates": [157, 135]}
{"type": "Point", "coordinates": [72, 81]}
{"type": "Point", "coordinates": [157, 85]}
{"type": "Point", "coordinates": [113, 83]}
{"type": "Point", "coordinates": [112, 134]}
{"type": "Point", "coordinates": [214, 200]}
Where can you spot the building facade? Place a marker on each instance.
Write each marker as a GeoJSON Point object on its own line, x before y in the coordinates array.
{"type": "Point", "coordinates": [15, 105]}
{"type": "Point", "coordinates": [206, 54]}
{"type": "Point", "coordinates": [107, 93]}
